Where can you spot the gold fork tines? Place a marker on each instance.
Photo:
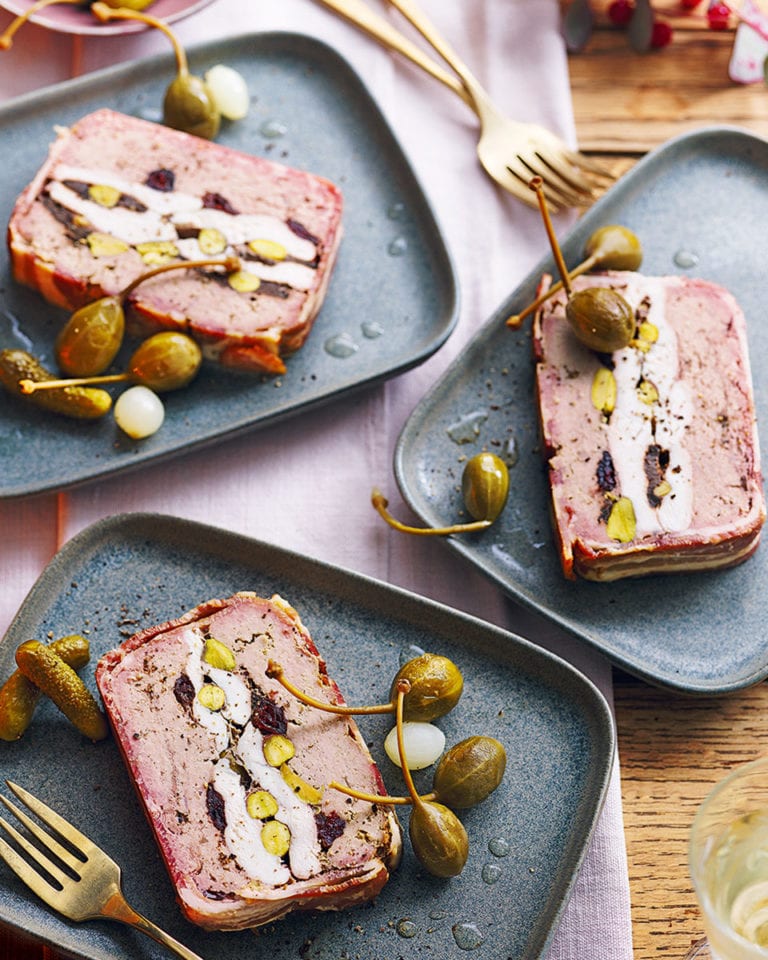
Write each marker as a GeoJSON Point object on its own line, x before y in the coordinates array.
{"type": "Point", "coordinates": [78, 879]}
{"type": "Point", "coordinates": [511, 152]}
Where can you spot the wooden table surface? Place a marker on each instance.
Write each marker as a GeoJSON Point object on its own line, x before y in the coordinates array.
{"type": "Point", "coordinates": [672, 749]}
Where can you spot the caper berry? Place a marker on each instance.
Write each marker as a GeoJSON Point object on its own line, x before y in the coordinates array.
{"type": "Point", "coordinates": [189, 106]}
{"type": "Point", "coordinates": [438, 838]}
{"type": "Point", "coordinates": [613, 247]}
{"type": "Point", "coordinates": [485, 486]}
{"type": "Point", "coordinates": [469, 772]}
{"type": "Point", "coordinates": [436, 686]}
{"type": "Point", "coordinates": [91, 338]}
{"type": "Point", "coordinates": [166, 361]}
{"type": "Point", "coordinates": [601, 318]}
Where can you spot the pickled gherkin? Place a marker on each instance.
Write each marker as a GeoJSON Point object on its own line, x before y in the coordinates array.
{"type": "Point", "coordinates": [19, 696]}
{"type": "Point", "coordinates": [59, 681]}
{"type": "Point", "coordinates": [81, 403]}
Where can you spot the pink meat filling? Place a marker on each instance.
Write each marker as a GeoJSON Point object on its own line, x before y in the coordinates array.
{"type": "Point", "coordinates": [681, 443]}
{"type": "Point", "coordinates": [173, 759]}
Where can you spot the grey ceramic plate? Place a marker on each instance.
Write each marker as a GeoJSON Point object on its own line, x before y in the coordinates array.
{"type": "Point", "coordinates": [701, 201]}
{"type": "Point", "coordinates": [392, 299]}
{"type": "Point", "coordinates": [527, 839]}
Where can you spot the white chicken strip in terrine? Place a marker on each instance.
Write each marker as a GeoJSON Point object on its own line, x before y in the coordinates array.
{"type": "Point", "coordinates": [652, 451]}
{"type": "Point", "coordinates": [119, 195]}
{"type": "Point", "coordinates": [231, 768]}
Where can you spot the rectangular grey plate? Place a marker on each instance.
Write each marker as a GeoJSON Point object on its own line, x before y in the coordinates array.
{"type": "Point", "coordinates": [129, 572]}
{"type": "Point", "coordinates": [392, 297]}
{"type": "Point", "coordinates": [699, 199]}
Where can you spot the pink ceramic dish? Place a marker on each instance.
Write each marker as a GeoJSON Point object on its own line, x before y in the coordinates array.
{"type": "Point", "coordinates": [70, 18]}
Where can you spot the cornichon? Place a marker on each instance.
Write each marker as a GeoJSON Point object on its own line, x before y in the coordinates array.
{"type": "Point", "coordinates": [59, 681]}
{"type": "Point", "coordinates": [19, 696]}
{"type": "Point", "coordinates": [83, 403]}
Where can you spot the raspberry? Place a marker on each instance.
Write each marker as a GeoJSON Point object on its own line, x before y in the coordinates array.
{"type": "Point", "coordinates": [620, 12]}
{"type": "Point", "coordinates": [661, 35]}
{"type": "Point", "coordinates": [689, 4]}
{"type": "Point", "coordinates": [718, 15]}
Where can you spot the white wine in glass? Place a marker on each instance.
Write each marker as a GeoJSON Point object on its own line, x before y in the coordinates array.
{"type": "Point", "coordinates": [728, 857]}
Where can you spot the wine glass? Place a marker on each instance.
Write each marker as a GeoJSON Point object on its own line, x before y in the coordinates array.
{"type": "Point", "coordinates": [728, 859]}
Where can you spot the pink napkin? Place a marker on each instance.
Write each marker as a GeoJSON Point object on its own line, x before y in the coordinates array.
{"type": "Point", "coordinates": [306, 484]}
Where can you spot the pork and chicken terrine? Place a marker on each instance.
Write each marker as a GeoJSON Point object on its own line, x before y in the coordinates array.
{"type": "Point", "coordinates": [231, 768]}
{"type": "Point", "coordinates": [652, 451]}
{"type": "Point", "coordinates": [118, 195]}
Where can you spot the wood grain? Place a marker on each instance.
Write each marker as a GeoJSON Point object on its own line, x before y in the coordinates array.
{"type": "Point", "coordinates": [672, 749]}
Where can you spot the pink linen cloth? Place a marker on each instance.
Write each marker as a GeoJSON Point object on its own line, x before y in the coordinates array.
{"type": "Point", "coordinates": [305, 484]}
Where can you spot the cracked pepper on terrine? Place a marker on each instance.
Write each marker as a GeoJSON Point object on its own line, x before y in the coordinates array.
{"type": "Point", "coordinates": [231, 768]}
{"type": "Point", "coordinates": [652, 451]}
{"type": "Point", "coordinates": [118, 195]}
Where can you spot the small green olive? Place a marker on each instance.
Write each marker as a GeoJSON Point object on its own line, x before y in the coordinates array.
{"type": "Point", "coordinates": [614, 247]}
{"type": "Point", "coordinates": [469, 772]}
{"type": "Point", "coordinates": [601, 318]}
{"type": "Point", "coordinates": [189, 106]}
{"type": "Point", "coordinates": [485, 486]}
{"type": "Point", "coordinates": [436, 687]}
{"type": "Point", "coordinates": [91, 338]}
{"type": "Point", "coordinates": [166, 361]}
{"type": "Point", "coordinates": [438, 838]}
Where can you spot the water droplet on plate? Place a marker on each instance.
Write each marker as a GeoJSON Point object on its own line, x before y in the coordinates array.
{"type": "Point", "coordinates": [397, 247]}
{"type": "Point", "coordinates": [273, 129]}
{"type": "Point", "coordinates": [407, 928]}
{"type": "Point", "coordinates": [467, 428]}
{"type": "Point", "coordinates": [371, 329]}
{"type": "Point", "coordinates": [17, 329]}
{"type": "Point", "coordinates": [342, 345]}
{"type": "Point", "coordinates": [686, 259]}
{"type": "Point", "coordinates": [151, 113]}
{"type": "Point", "coordinates": [499, 847]}
{"type": "Point", "coordinates": [491, 872]}
{"type": "Point", "coordinates": [511, 452]}
{"type": "Point", "coordinates": [396, 211]}
{"type": "Point", "coordinates": [410, 653]}
{"type": "Point", "coordinates": [467, 936]}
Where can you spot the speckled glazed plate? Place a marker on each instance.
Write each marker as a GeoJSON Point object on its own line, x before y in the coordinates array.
{"type": "Point", "coordinates": [526, 841]}
{"type": "Point", "coordinates": [392, 299]}
{"type": "Point", "coordinates": [67, 18]}
{"type": "Point", "coordinates": [699, 205]}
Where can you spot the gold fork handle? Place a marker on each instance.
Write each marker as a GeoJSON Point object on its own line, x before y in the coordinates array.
{"type": "Point", "coordinates": [477, 96]}
{"type": "Point", "coordinates": [376, 26]}
{"type": "Point", "coordinates": [116, 908]}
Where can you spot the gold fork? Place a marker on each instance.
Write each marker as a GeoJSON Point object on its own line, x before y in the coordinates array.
{"type": "Point", "coordinates": [511, 152]}
{"type": "Point", "coordinates": [89, 887]}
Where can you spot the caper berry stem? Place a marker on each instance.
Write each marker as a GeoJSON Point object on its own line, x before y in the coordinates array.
{"type": "Point", "coordinates": [104, 13]}
{"type": "Point", "coordinates": [371, 797]}
{"type": "Point", "coordinates": [276, 672]}
{"type": "Point", "coordinates": [230, 264]}
{"type": "Point", "coordinates": [6, 38]}
{"type": "Point", "coordinates": [403, 687]}
{"type": "Point", "coordinates": [517, 318]}
{"type": "Point", "coordinates": [380, 504]}
{"type": "Point", "coordinates": [537, 185]}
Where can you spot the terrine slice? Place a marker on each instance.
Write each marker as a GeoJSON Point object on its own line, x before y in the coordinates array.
{"type": "Point", "coordinates": [118, 195]}
{"type": "Point", "coordinates": [652, 451]}
{"type": "Point", "coordinates": [208, 740]}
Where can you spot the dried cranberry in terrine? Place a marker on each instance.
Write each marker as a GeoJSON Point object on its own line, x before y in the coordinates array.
{"type": "Point", "coordinates": [118, 195]}
{"type": "Point", "coordinates": [652, 451]}
{"type": "Point", "coordinates": [232, 769]}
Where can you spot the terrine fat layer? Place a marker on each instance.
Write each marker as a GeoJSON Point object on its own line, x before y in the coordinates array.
{"type": "Point", "coordinates": [203, 731]}
{"type": "Point", "coordinates": [652, 451]}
